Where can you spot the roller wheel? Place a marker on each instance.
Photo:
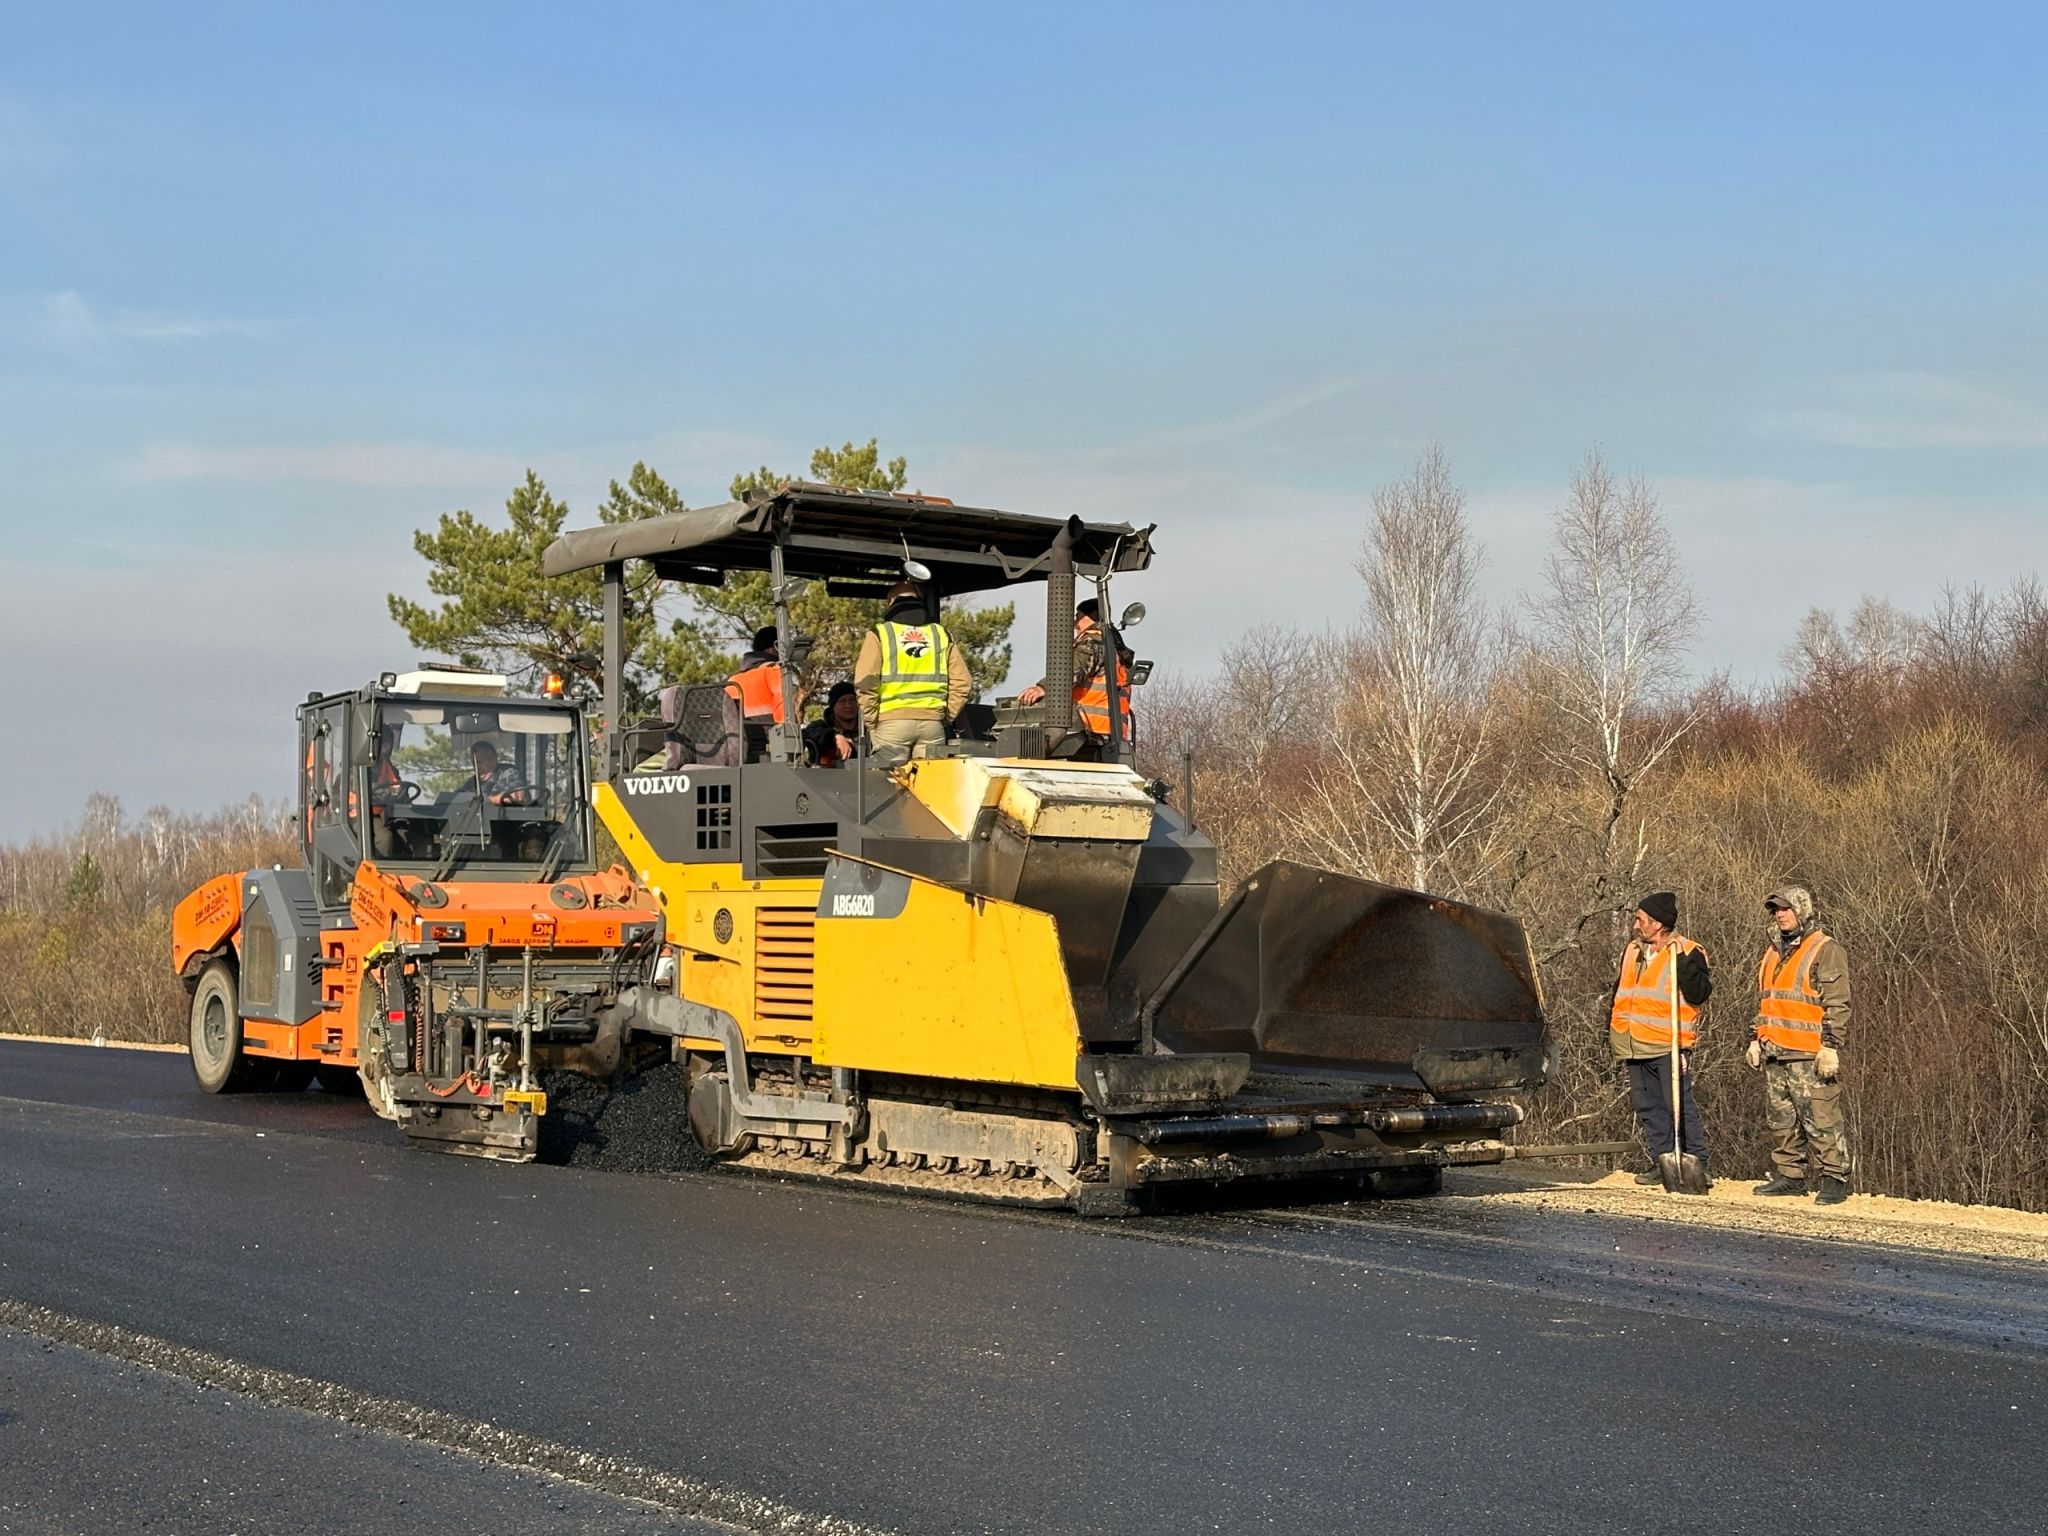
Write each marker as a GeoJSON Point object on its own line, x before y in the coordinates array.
{"type": "Point", "coordinates": [216, 1034]}
{"type": "Point", "coordinates": [341, 1080]}
{"type": "Point", "coordinates": [292, 1077]}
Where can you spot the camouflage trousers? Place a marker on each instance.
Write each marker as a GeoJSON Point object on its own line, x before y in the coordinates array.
{"type": "Point", "coordinates": [1806, 1120]}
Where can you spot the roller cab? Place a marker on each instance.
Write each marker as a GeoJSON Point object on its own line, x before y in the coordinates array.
{"type": "Point", "coordinates": [447, 936]}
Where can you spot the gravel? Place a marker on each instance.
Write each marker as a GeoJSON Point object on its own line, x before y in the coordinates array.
{"type": "Point", "coordinates": [1929, 1225]}
{"type": "Point", "coordinates": [641, 1126]}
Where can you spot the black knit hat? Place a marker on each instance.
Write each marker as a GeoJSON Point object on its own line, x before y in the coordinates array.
{"type": "Point", "coordinates": [1662, 906]}
{"type": "Point", "coordinates": [839, 691]}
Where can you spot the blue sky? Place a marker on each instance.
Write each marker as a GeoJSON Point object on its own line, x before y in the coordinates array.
{"type": "Point", "coordinates": [278, 287]}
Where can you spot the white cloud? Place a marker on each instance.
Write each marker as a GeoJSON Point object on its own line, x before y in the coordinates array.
{"type": "Point", "coordinates": [383, 465]}
{"type": "Point", "coordinates": [1247, 421]}
{"type": "Point", "coordinates": [1917, 410]}
{"type": "Point", "coordinates": [70, 321]}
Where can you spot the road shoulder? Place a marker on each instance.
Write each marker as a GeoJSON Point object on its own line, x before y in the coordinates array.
{"type": "Point", "coordinates": [1983, 1231]}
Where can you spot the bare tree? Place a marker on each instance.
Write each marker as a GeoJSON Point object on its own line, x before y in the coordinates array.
{"type": "Point", "coordinates": [1267, 695]}
{"type": "Point", "coordinates": [1409, 733]}
{"type": "Point", "coordinates": [1611, 631]}
{"type": "Point", "coordinates": [1876, 646]}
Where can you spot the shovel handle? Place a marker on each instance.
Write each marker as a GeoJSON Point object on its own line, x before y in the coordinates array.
{"type": "Point", "coordinates": [1677, 1122]}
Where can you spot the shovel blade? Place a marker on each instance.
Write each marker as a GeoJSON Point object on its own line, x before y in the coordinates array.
{"type": "Point", "coordinates": [1682, 1173]}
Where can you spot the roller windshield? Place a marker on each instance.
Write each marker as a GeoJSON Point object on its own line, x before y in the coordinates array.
{"type": "Point", "coordinates": [461, 786]}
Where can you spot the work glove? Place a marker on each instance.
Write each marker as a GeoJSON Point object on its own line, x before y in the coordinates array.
{"type": "Point", "coordinates": [1755, 1056]}
{"type": "Point", "coordinates": [1827, 1064]}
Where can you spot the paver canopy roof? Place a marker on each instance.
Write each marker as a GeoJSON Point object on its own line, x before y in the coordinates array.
{"type": "Point", "coordinates": [855, 541]}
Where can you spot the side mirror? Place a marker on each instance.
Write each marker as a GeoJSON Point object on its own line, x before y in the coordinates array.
{"type": "Point", "coordinates": [1133, 616]}
{"type": "Point", "coordinates": [917, 570]}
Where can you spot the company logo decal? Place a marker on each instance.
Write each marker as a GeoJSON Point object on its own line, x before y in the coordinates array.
{"type": "Point", "coordinates": [657, 784]}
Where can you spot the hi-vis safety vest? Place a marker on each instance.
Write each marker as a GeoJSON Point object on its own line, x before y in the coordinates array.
{"type": "Point", "coordinates": [915, 663]}
{"type": "Point", "coordinates": [1642, 1003]}
{"type": "Point", "coordinates": [1787, 998]}
{"type": "Point", "coordinates": [759, 690]}
{"type": "Point", "coordinates": [1091, 694]}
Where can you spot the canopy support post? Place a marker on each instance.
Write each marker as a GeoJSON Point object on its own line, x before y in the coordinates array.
{"type": "Point", "coordinates": [785, 740]}
{"type": "Point", "coordinates": [612, 737]}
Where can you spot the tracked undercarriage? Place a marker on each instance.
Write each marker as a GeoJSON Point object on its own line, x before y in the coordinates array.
{"type": "Point", "coordinates": [1051, 1150]}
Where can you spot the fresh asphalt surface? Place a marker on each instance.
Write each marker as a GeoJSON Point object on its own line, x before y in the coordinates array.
{"type": "Point", "coordinates": [913, 1366]}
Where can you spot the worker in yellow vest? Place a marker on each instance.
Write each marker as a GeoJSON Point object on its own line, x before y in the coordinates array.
{"type": "Point", "coordinates": [910, 678]}
{"type": "Point", "coordinates": [1657, 960]}
{"type": "Point", "coordinates": [1802, 1018]}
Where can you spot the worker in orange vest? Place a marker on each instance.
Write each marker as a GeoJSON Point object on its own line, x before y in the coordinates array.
{"type": "Point", "coordinates": [1802, 1019]}
{"type": "Point", "coordinates": [757, 684]}
{"type": "Point", "coordinates": [1091, 681]}
{"type": "Point", "coordinates": [759, 680]}
{"type": "Point", "coordinates": [1658, 959]}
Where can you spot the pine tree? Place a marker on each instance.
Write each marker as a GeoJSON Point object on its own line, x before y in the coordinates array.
{"type": "Point", "coordinates": [501, 612]}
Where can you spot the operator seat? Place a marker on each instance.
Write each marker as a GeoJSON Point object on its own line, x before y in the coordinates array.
{"type": "Point", "coordinates": [704, 726]}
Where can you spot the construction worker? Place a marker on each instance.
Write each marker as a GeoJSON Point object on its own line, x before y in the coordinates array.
{"type": "Point", "coordinates": [1639, 1025]}
{"type": "Point", "coordinates": [1091, 685]}
{"type": "Point", "coordinates": [1801, 1021]}
{"type": "Point", "coordinates": [386, 783]}
{"type": "Point", "coordinates": [835, 738]}
{"type": "Point", "coordinates": [387, 788]}
{"type": "Point", "coordinates": [757, 684]}
{"type": "Point", "coordinates": [498, 785]}
{"type": "Point", "coordinates": [909, 678]}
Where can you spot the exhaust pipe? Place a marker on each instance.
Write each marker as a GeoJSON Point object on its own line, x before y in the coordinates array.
{"type": "Point", "coordinates": [1059, 636]}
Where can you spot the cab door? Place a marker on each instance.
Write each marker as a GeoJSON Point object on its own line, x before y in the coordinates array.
{"type": "Point", "coordinates": [329, 801]}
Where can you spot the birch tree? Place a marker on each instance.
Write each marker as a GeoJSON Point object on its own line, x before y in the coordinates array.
{"type": "Point", "coordinates": [1409, 735]}
{"type": "Point", "coordinates": [1611, 630]}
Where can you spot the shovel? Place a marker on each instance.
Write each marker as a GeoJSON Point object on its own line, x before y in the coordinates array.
{"type": "Point", "coordinates": [1682, 1171]}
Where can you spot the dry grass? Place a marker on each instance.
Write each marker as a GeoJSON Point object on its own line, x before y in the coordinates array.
{"type": "Point", "coordinates": [1905, 786]}
{"type": "Point", "coordinates": [85, 917]}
